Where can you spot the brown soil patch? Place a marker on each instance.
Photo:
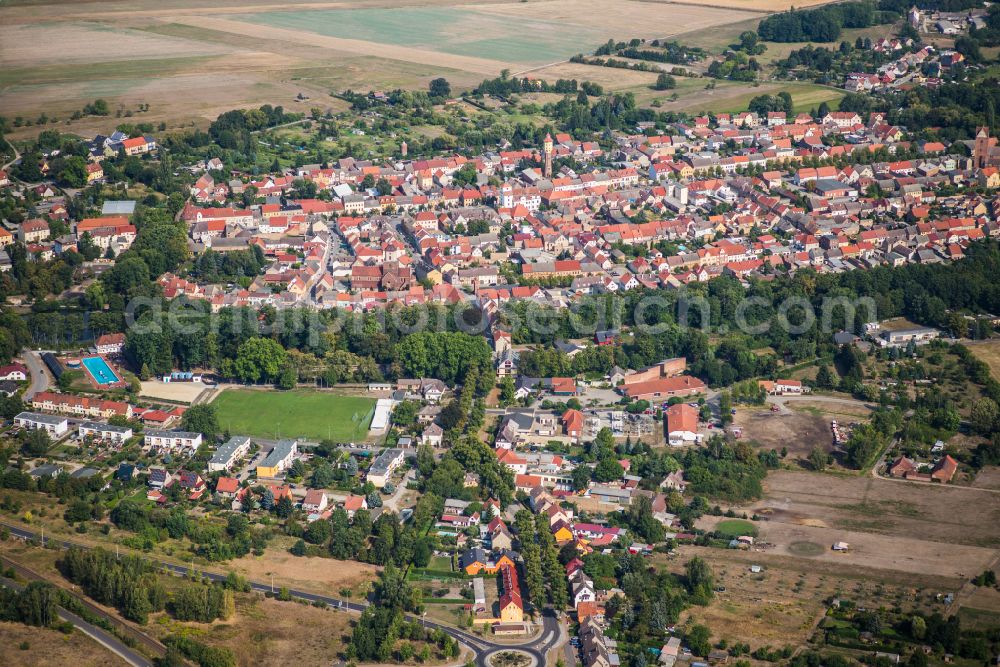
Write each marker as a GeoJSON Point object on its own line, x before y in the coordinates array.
{"type": "Point", "coordinates": [988, 478]}
{"type": "Point", "coordinates": [50, 648]}
{"type": "Point", "coordinates": [181, 392]}
{"type": "Point", "coordinates": [798, 432]}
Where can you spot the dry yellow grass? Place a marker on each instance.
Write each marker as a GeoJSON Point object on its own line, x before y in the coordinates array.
{"type": "Point", "coordinates": [781, 604]}
{"type": "Point", "coordinates": [50, 648]}
{"type": "Point", "coordinates": [318, 575]}
{"type": "Point", "coordinates": [988, 351]}
{"type": "Point", "coordinates": [267, 632]}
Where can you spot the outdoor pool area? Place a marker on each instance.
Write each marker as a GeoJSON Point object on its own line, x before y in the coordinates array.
{"type": "Point", "coordinates": [100, 371]}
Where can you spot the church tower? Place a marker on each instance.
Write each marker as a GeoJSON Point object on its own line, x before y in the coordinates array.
{"type": "Point", "coordinates": [981, 148]}
{"type": "Point", "coordinates": [547, 148]}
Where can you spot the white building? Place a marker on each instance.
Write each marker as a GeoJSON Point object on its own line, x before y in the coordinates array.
{"type": "Point", "coordinates": [382, 467]}
{"type": "Point", "coordinates": [229, 453]}
{"type": "Point", "coordinates": [173, 440]}
{"type": "Point", "coordinates": [51, 424]}
{"type": "Point", "coordinates": [105, 432]}
{"type": "Point", "coordinates": [315, 501]}
{"type": "Point", "coordinates": [383, 410]}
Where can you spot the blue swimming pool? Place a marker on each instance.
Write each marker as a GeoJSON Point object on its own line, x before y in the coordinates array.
{"type": "Point", "coordinates": [100, 371]}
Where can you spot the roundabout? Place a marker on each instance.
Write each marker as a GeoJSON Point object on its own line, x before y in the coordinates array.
{"type": "Point", "coordinates": [510, 657]}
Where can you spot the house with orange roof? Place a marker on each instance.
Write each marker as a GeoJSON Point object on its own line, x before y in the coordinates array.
{"type": "Point", "coordinates": [682, 425]}
{"type": "Point", "coordinates": [664, 388]}
{"type": "Point", "coordinates": [139, 145]}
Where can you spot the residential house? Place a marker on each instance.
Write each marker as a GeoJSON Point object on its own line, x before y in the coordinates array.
{"type": "Point", "coordinates": [54, 425]}
{"type": "Point", "coordinates": [384, 465]}
{"type": "Point", "coordinates": [229, 453]}
{"type": "Point", "coordinates": [108, 433]}
{"type": "Point", "coordinates": [278, 459]}
{"type": "Point", "coordinates": [315, 500]}
{"type": "Point", "coordinates": [186, 441]}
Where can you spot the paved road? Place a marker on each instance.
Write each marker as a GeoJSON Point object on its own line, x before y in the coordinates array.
{"type": "Point", "coordinates": [16, 157]}
{"type": "Point", "coordinates": [99, 635]}
{"type": "Point", "coordinates": [39, 376]}
{"type": "Point", "coordinates": [481, 647]}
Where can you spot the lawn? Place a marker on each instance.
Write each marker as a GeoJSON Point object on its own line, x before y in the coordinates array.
{"type": "Point", "coordinates": [736, 527]}
{"type": "Point", "coordinates": [295, 414]}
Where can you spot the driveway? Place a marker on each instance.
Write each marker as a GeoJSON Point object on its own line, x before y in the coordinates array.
{"type": "Point", "coordinates": [392, 502]}
{"type": "Point", "coordinates": [39, 376]}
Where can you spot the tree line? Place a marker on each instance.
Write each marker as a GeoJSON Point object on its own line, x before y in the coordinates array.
{"type": "Point", "coordinates": [131, 585]}
{"type": "Point", "coordinates": [816, 25]}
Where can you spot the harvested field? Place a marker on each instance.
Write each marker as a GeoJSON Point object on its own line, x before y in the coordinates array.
{"type": "Point", "coordinates": [51, 648]}
{"type": "Point", "coordinates": [320, 575]}
{"type": "Point", "coordinates": [767, 6]}
{"type": "Point", "coordinates": [189, 62]}
{"type": "Point", "coordinates": [983, 598]}
{"type": "Point", "coordinates": [624, 19]}
{"type": "Point", "coordinates": [812, 539]}
{"type": "Point", "coordinates": [911, 511]}
{"type": "Point", "coordinates": [610, 78]}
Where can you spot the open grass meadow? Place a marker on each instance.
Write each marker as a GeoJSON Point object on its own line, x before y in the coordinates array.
{"type": "Point", "coordinates": [300, 413]}
{"type": "Point", "coordinates": [736, 528]}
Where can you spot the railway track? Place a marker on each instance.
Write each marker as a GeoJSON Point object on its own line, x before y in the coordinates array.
{"type": "Point", "coordinates": [142, 641]}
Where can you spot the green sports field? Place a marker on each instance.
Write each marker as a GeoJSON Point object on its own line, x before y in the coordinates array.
{"type": "Point", "coordinates": [300, 413]}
